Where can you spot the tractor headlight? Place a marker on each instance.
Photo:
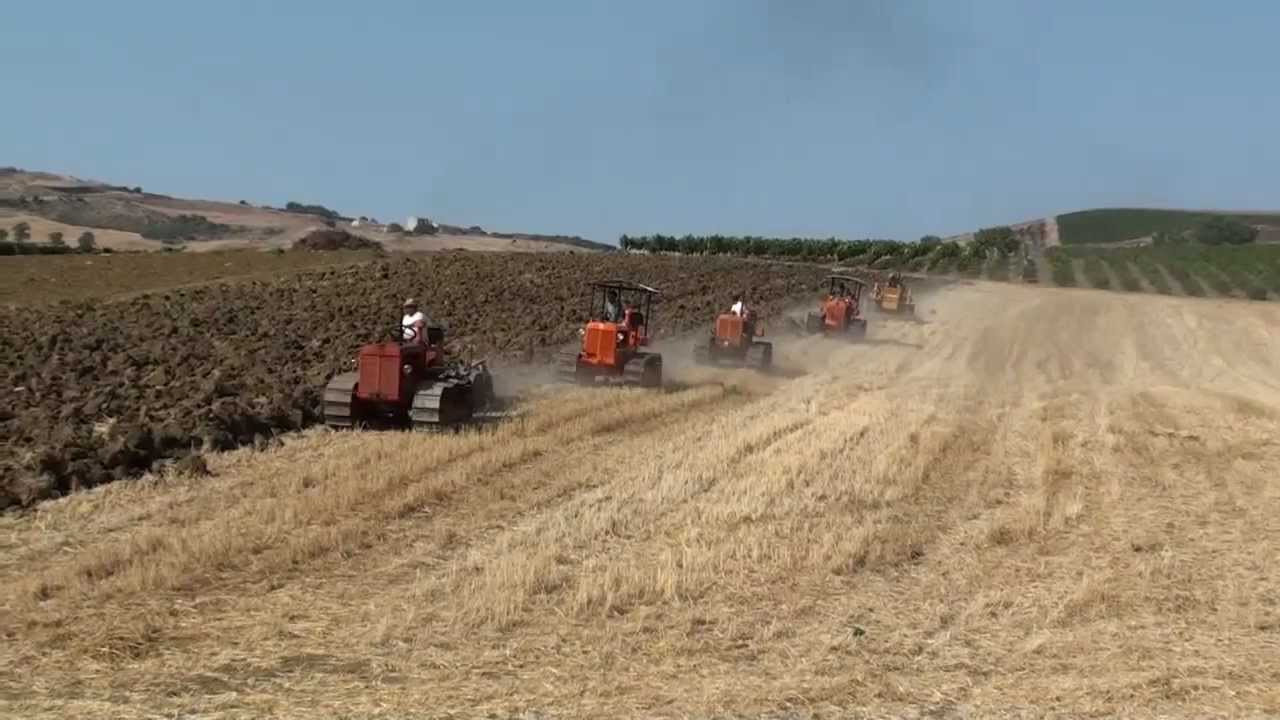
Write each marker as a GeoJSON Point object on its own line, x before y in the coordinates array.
{"type": "Point", "coordinates": [582, 331]}
{"type": "Point", "coordinates": [407, 369]}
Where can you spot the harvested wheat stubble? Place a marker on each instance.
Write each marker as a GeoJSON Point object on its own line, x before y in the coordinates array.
{"type": "Point", "coordinates": [1041, 499]}
{"type": "Point", "coordinates": [95, 392]}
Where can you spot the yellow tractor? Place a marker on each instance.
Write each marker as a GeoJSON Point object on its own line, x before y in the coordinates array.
{"type": "Point", "coordinates": [892, 297]}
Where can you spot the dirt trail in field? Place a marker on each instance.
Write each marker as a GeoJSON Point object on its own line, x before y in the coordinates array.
{"type": "Point", "coordinates": [1036, 501]}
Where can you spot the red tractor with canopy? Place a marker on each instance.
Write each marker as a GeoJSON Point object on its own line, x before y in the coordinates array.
{"type": "Point", "coordinates": [839, 313]}
{"type": "Point", "coordinates": [614, 339]}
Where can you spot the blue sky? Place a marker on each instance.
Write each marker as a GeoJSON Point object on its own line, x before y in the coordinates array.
{"type": "Point", "coordinates": [800, 117]}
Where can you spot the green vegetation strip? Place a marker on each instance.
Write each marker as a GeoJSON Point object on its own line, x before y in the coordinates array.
{"type": "Point", "coordinates": [1095, 272]}
{"type": "Point", "coordinates": [1181, 273]}
{"type": "Point", "coordinates": [1063, 273]}
{"type": "Point", "coordinates": [998, 268]}
{"type": "Point", "coordinates": [1124, 273]}
{"type": "Point", "coordinates": [1147, 266]}
{"type": "Point", "coordinates": [879, 254]}
{"type": "Point", "coordinates": [1120, 224]}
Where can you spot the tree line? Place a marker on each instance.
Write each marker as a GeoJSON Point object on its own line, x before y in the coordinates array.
{"type": "Point", "coordinates": [929, 251]}
{"type": "Point", "coordinates": [17, 241]}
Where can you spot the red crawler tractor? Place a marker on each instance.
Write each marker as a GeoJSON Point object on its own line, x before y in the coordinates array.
{"type": "Point", "coordinates": [409, 381]}
{"type": "Point", "coordinates": [614, 339]}
{"type": "Point", "coordinates": [733, 342]}
{"type": "Point", "coordinates": [840, 313]}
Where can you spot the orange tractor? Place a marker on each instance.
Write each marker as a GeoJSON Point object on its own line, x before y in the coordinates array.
{"type": "Point", "coordinates": [840, 313]}
{"type": "Point", "coordinates": [409, 381]}
{"type": "Point", "coordinates": [892, 296]}
{"type": "Point", "coordinates": [614, 339]}
{"type": "Point", "coordinates": [733, 342]}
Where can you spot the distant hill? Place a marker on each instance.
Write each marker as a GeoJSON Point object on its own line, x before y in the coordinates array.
{"type": "Point", "coordinates": [1128, 226]}
{"type": "Point", "coordinates": [129, 218]}
{"type": "Point", "coordinates": [1121, 249]}
{"type": "Point", "coordinates": [1107, 226]}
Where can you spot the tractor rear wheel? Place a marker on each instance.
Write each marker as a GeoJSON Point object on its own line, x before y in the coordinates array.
{"type": "Point", "coordinates": [813, 323]}
{"type": "Point", "coordinates": [760, 355]}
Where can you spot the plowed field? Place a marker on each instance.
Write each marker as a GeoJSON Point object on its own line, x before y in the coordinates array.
{"type": "Point", "coordinates": [27, 280]}
{"type": "Point", "coordinates": [1039, 503]}
{"type": "Point", "coordinates": [96, 391]}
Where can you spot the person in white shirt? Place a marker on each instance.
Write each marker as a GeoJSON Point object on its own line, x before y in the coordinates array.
{"type": "Point", "coordinates": [612, 307]}
{"type": "Point", "coordinates": [739, 307]}
{"type": "Point", "coordinates": [414, 323]}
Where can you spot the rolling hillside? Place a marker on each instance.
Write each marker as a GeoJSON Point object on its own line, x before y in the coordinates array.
{"type": "Point", "coordinates": [1106, 226]}
{"type": "Point", "coordinates": [125, 218]}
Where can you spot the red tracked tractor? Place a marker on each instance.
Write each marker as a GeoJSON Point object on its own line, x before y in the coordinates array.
{"type": "Point", "coordinates": [613, 340]}
{"type": "Point", "coordinates": [733, 342]}
{"type": "Point", "coordinates": [410, 381]}
{"type": "Point", "coordinates": [840, 313]}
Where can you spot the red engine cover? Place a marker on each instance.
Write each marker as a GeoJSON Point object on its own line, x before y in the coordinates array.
{"type": "Point", "coordinates": [381, 376]}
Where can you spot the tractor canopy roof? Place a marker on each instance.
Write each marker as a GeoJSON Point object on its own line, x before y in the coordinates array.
{"type": "Point", "coordinates": [625, 285]}
{"type": "Point", "coordinates": [848, 278]}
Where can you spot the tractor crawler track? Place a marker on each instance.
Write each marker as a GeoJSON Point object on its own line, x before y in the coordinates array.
{"type": "Point", "coordinates": [639, 371]}
{"type": "Point", "coordinates": [757, 356]}
{"type": "Point", "coordinates": [567, 366]}
{"type": "Point", "coordinates": [447, 402]}
{"type": "Point", "coordinates": [428, 410]}
{"type": "Point", "coordinates": [642, 370]}
{"type": "Point", "coordinates": [337, 400]}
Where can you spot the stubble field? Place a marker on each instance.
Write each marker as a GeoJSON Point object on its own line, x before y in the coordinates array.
{"type": "Point", "coordinates": [1037, 502]}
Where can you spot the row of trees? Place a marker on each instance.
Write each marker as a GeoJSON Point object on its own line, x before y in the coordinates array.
{"type": "Point", "coordinates": [312, 209]}
{"type": "Point", "coordinates": [184, 227]}
{"type": "Point", "coordinates": [21, 234]}
{"type": "Point", "coordinates": [930, 250]}
{"type": "Point", "coordinates": [1215, 230]}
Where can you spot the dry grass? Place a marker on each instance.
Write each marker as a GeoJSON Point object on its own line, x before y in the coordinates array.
{"type": "Point", "coordinates": [1039, 502]}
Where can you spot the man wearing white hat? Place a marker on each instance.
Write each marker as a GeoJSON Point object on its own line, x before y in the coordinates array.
{"type": "Point", "coordinates": [414, 323]}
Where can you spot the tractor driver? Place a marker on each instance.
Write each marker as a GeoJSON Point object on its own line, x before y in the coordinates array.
{"type": "Point", "coordinates": [612, 307]}
{"type": "Point", "coordinates": [895, 280]}
{"type": "Point", "coordinates": [748, 318]}
{"type": "Point", "coordinates": [414, 323]}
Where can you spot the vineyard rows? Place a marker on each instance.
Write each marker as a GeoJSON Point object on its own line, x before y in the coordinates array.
{"type": "Point", "coordinates": [1251, 270]}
